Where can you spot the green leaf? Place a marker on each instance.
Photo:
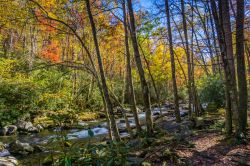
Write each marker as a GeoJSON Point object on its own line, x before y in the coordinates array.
{"type": "Point", "coordinates": [67, 162]}
{"type": "Point", "coordinates": [90, 133]}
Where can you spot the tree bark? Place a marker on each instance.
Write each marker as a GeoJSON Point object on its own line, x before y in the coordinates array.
{"type": "Point", "coordinates": [176, 98]}
{"type": "Point", "coordinates": [218, 68]}
{"type": "Point", "coordinates": [32, 47]}
{"type": "Point", "coordinates": [129, 94]}
{"type": "Point", "coordinates": [241, 67]}
{"type": "Point", "coordinates": [226, 24]}
{"type": "Point", "coordinates": [188, 57]}
{"type": "Point", "coordinates": [221, 40]}
{"type": "Point", "coordinates": [151, 76]}
{"type": "Point", "coordinates": [144, 85]}
{"type": "Point", "coordinates": [114, 128]}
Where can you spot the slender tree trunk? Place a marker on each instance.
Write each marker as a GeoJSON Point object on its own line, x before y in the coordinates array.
{"type": "Point", "coordinates": [129, 95]}
{"type": "Point", "coordinates": [144, 85]}
{"type": "Point", "coordinates": [32, 47]}
{"type": "Point", "coordinates": [221, 39]}
{"type": "Point", "coordinates": [151, 76]}
{"type": "Point", "coordinates": [176, 98]}
{"type": "Point", "coordinates": [248, 62]}
{"type": "Point", "coordinates": [201, 54]}
{"type": "Point", "coordinates": [114, 128]}
{"type": "Point", "coordinates": [241, 67]}
{"type": "Point", "coordinates": [214, 40]}
{"type": "Point", "coordinates": [188, 57]}
{"type": "Point", "coordinates": [204, 27]}
{"type": "Point", "coordinates": [219, 30]}
{"type": "Point", "coordinates": [196, 103]}
{"type": "Point", "coordinates": [225, 19]}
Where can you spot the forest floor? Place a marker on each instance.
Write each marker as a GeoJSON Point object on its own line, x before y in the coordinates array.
{"type": "Point", "coordinates": [211, 148]}
{"type": "Point", "coordinates": [205, 145]}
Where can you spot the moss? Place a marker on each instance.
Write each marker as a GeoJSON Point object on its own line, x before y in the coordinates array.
{"type": "Point", "coordinates": [44, 120]}
{"type": "Point", "coordinates": [87, 116]}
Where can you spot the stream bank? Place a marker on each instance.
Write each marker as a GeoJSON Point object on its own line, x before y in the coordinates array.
{"type": "Point", "coordinates": [47, 140]}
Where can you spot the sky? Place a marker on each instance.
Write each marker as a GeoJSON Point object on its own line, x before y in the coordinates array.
{"type": "Point", "coordinates": [146, 3]}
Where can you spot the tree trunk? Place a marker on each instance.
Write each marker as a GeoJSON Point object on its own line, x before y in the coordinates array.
{"type": "Point", "coordinates": [129, 92]}
{"type": "Point", "coordinates": [241, 67]}
{"type": "Point", "coordinates": [248, 62]}
{"type": "Point", "coordinates": [176, 98]}
{"type": "Point", "coordinates": [144, 85]}
{"type": "Point", "coordinates": [218, 68]}
{"type": "Point", "coordinates": [114, 128]}
{"type": "Point", "coordinates": [209, 45]}
{"type": "Point", "coordinates": [32, 47]}
{"type": "Point", "coordinates": [151, 76]}
{"type": "Point", "coordinates": [188, 57]}
{"type": "Point", "coordinates": [225, 20]}
{"type": "Point", "coordinates": [221, 40]}
{"type": "Point", "coordinates": [227, 70]}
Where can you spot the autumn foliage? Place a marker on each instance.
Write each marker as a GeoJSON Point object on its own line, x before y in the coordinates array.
{"type": "Point", "coordinates": [51, 52]}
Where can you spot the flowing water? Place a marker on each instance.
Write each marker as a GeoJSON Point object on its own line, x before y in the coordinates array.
{"type": "Point", "coordinates": [48, 138]}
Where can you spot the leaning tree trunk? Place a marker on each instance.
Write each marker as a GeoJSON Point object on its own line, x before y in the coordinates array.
{"type": "Point", "coordinates": [144, 85]}
{"type": "Point", "coordinates": [114, 128]}
{"type": "Point", "coordinates": [176, 99]}
{"type": "Point", "coordinates": [241, 67]}
{"type": "Point", "coordinates": [221, 40]}
{"type": "Point", "coordinates": [129, 94]}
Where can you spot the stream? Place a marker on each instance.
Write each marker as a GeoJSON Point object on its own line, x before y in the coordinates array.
{"type": "Point", "coordinates": [100, 130]}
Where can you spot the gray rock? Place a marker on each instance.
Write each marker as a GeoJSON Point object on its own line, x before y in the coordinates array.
{"type": "Point", "coordinates": [9, 130]}
{"type": "Point", "coordinates": [8, 161]}
{"type": "Point", "coordinates": [3, 151]}
{"type": "Point", "coordinates": [26, 126]}
{"type": "Point", "coordinates": [32, 130]}
{"type": "Point", "coordinates": [18, 147]}
{"type": "Point", "coordinates": [38, 148]}
{"type": "Point", "coordinates": [2, 146]}
{"type": "Point", "coordinates": [39, 127]}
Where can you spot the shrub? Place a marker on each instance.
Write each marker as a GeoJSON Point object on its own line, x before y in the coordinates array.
{"type": "Point", "coordinates": [16, 101]}
{"type": "Point", "coordinates": [211, 90]}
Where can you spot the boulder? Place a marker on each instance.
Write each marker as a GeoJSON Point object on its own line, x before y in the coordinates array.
{"type": "Point", "coordinates": [18, 147]}
{"type": "Point", "coordinates": [26, 126]}
{"type": "Point", "coordinates": [8, 161]}
{"type": "Point", "coordinates": [156, 111]}
{"type": "Point", "coordinates": [9, 130]}
{"type": "Point", "coordinates": [39, 127]}
{"type": "Point", "coordinates": [2, 146]}
{"type": "Point", "coordinates": [183, 113]}
{"type": "Point", "coordinates": [38, 148]}
{"type": "Point", "coordinates": [3, 151]}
